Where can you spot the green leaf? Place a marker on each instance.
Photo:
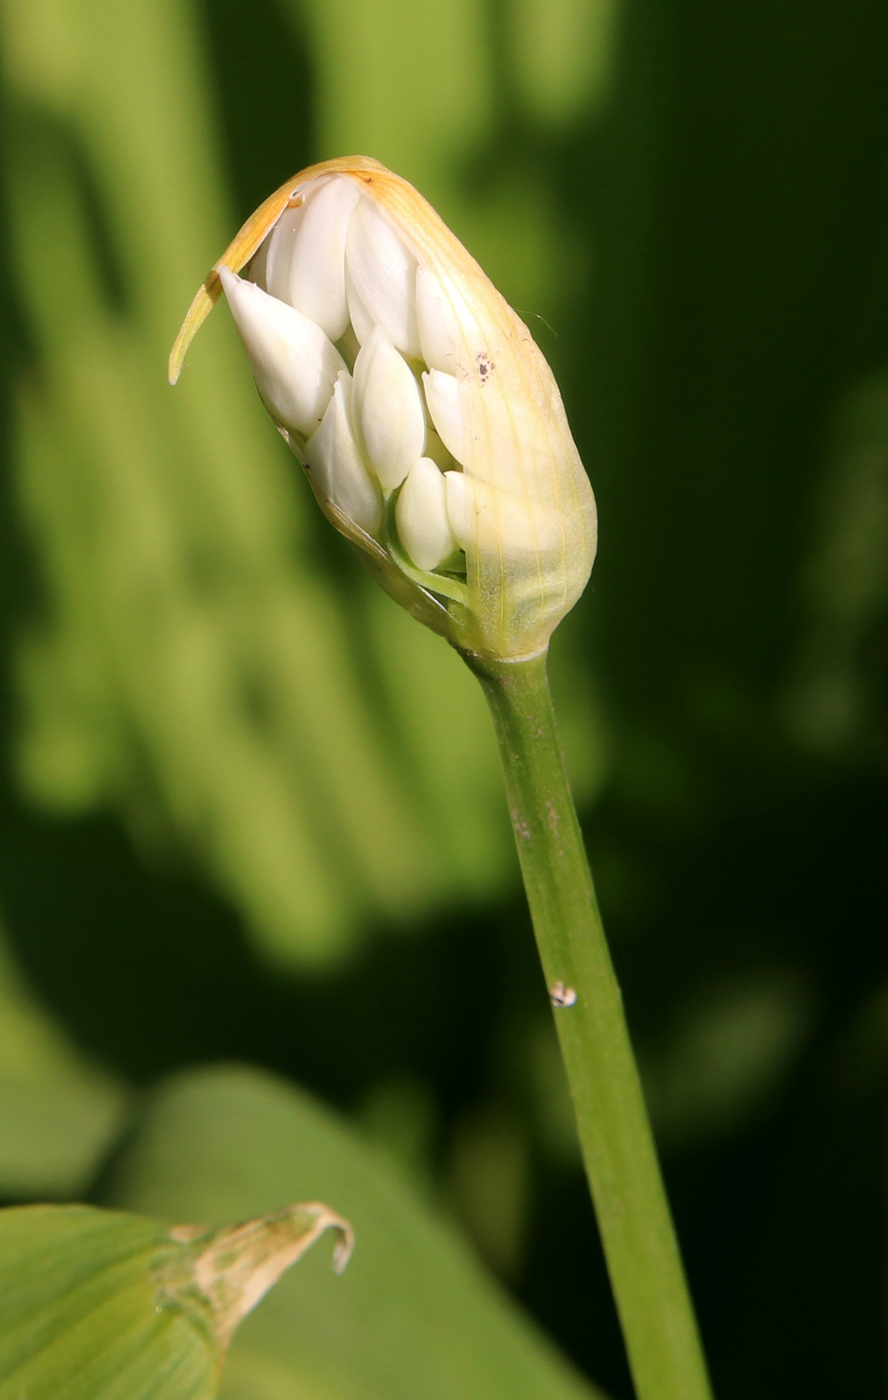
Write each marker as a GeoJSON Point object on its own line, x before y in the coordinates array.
{"type": "Point", "coordinates": [97, 1305]}
{"type": "Point", "coordinates": [414, 1318]}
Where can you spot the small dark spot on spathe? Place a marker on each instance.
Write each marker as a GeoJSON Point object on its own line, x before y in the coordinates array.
{"type": "Point", "coordinates": [485, 365]}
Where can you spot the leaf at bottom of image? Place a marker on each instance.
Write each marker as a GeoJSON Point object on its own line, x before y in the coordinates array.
{"type": "Point", "coordinates": [414, 1317]}
{"type": "Point", "coordinates": [98, 1305]}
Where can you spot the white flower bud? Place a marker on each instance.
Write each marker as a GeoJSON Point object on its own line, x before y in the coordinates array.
{"type": "Point", "coordinates": [442, 397]}
{"type": "Point", "coordinates": [381, 280]}
{"type": "Point", "coordinates": [389, 414]}
{"type": "Point", "coordinates": [305, 264]}
{"type": "Point", "coordinates": [294, 364]}
{"type": "Point", "coordinates": [334, 463]}
{"type": "Point", "coordinates": [421, 516]}
{"type": "Point", "coordinates": [522, 508]}
{"type": "Point", "coordinates": [271, 267]}
{"type": "Point", "coordinates": [435, 335]}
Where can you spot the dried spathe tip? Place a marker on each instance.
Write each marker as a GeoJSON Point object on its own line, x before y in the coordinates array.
{"type": "Point", "coordinates": [428, 421]}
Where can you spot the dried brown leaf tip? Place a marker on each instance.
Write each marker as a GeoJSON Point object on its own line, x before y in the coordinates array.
{"type": "Point", "coordinates": [223, 1273]}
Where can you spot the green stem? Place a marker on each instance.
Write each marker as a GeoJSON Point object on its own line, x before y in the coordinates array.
{"type": "Point", "coordinates": [645, 1267]}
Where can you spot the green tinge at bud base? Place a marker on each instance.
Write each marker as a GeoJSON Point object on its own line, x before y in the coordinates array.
{"type": "Point", "coordinates": [524, 512]}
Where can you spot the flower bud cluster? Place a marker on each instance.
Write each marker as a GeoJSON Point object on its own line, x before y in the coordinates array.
{"type": "Point", "coordinates": [332, 269]}
{"type": "Point", "coordinates": [426, 419]}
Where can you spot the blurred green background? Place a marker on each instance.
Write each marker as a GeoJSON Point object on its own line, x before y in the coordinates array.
{"type": "Point", "coordinates": [251, 812]}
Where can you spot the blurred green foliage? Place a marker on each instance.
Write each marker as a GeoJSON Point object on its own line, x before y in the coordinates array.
{"type": "Point", "coordinates": [59, 1114]}
{"type": "Point", "coordinates": [249, 810]}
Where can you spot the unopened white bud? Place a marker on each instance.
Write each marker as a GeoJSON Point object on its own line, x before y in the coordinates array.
{"type": "Point", "coordinates": [334, 463]}
{"type": "Point", "coordinates": [442, 397]}
{"type": "Point", "coordinates": [432, 318]}
{"type": "Point", "coordinates": [294, 363]}
{"type": "Point", "coordinates": [305, 264]}
{"type": "Point", "coordinates": [388, 410]}
{"type": "Point", "coordinates": [522, 507]}
{"type": "Point", "coordinates": [270, 268]}
{"type": "Point", "coordinates": [421, 516]}
{"type": "Point", "coordinates": [380, 280]}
